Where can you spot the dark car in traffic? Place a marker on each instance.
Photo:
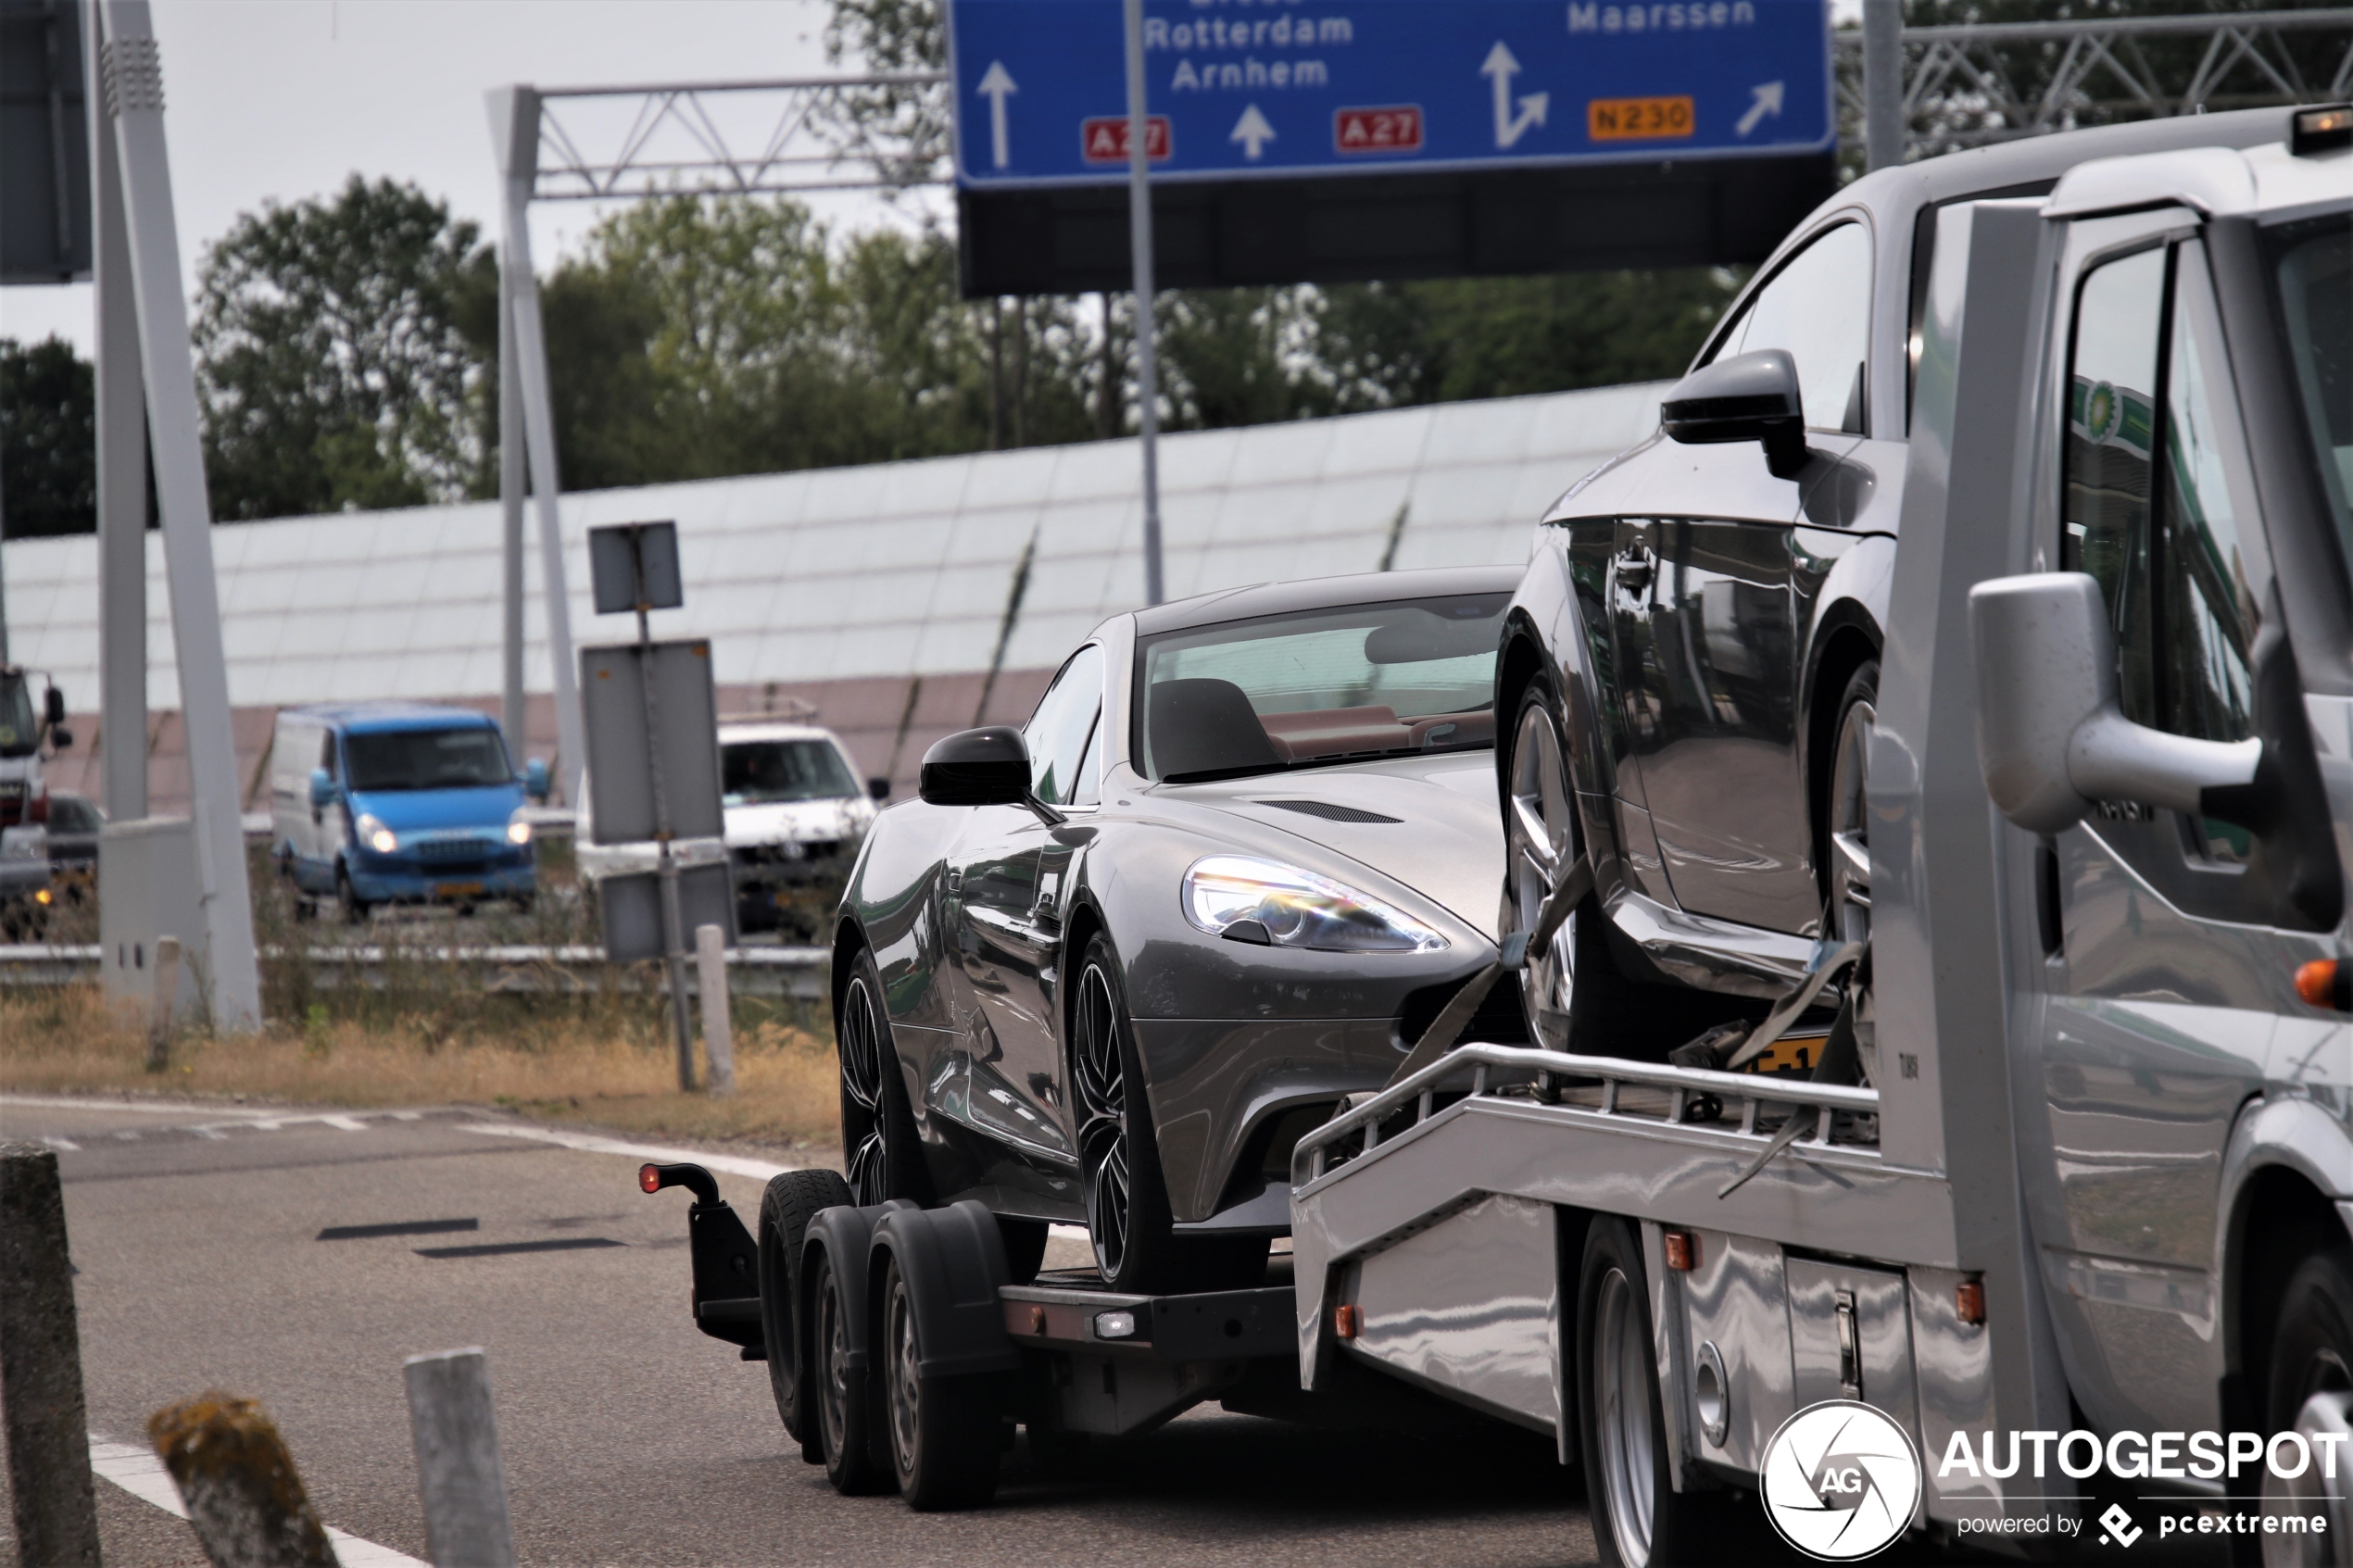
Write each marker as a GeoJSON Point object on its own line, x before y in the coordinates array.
{"type": "Point", "coordinates": [1110, 965]}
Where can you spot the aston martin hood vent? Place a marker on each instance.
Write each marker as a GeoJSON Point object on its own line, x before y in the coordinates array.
{"type": "Point", "coordinates": [1330, 812]}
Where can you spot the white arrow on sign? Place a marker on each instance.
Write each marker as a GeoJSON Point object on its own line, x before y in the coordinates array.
{"type": "Point", "coordinates": [1253, 132]}
{"type": "Point", "coordinates": [1769, 101]}
{"type": "Point", "coordinates": [993, 87]}
{"type": "Point", "coordinates": [1532, 108]}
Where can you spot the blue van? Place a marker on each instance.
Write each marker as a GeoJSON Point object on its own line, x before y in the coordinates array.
{"type": "Point", "coordinates": [381, 803]}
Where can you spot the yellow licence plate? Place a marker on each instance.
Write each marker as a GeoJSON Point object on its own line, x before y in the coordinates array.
{"type": "Point", "coordinates": [457, 889]}
{"type": "Point", "coordinates": [1791, 1053]}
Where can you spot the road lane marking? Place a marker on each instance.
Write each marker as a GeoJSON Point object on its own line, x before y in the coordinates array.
{"type": "Point", "coordinates": [735, 1165]}
{"type": "Point", "coordinates": [344, 1124]}
{"type": "Point", "coordinates": [63, 1145]}
{"type": "Point", "coordinates": [499, 1249]}
{"type": "Point", "coordinates": [140, 1472]}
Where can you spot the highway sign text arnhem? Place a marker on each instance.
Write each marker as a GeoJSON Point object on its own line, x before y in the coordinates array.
{"type": "Point", "coordinates": [1295, 87]}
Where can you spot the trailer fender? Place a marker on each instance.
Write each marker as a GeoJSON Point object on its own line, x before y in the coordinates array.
{"type": "Point", "coordinates": [953, 1260]}
{"type": "Point", "coordinates": [842, 1238]}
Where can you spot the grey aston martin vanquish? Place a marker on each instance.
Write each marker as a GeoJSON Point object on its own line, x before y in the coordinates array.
{"type": "Point", "coordinates": [1111, 964]}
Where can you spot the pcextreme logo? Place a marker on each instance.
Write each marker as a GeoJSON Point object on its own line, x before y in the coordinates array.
{"type": "Point", "coordinates": [1841, 1480]}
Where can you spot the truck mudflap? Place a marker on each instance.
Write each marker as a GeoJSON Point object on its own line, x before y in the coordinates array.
{"type": "Point", "coordinates": [953, 1260]}
{"type": "Point", "coordinates": [725, 1300]}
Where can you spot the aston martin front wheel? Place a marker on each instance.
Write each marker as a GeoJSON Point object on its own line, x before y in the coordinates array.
{"type": "Point", "coordinates": [878, 1139]}
{"type": "Point", "coordinates": [1118, 1155]}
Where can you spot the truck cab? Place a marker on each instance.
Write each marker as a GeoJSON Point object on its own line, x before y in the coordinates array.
{"type": "Point", "coordinates": [2093, 1184]}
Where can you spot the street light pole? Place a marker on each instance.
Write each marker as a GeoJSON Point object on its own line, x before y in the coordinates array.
{"type": "Point", "coordinates": [1140, 240]}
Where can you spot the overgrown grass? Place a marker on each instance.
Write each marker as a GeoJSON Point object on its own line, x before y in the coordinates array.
{"type": "Point", "coordinates": [587, 1043]}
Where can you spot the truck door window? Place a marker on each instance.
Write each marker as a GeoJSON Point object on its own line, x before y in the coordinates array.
{"type": "Point", "coordinates": [1818, 307]}
{"type": "Point", "coordinates": [2111, 420]}
{"type": "Point", "coordinates": [2148, 510]}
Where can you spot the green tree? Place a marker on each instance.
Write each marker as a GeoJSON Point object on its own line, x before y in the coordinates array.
{"type": "Point", "coordinates": [332, 365]}
{"type": "Point", "coordinates": [48, 440]}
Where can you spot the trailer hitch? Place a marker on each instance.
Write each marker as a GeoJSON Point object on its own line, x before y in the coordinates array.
{"type": "Point", "coordinates": [725, 1299]}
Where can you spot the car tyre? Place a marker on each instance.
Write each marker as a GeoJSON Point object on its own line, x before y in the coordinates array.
{"type": "Point", "coordinates": [1640, 1521]}
{"type": "Point", "coordinates": [2312, 1345]}
{"type": "Point", "coordinates": [945, 1431]}
{"type": "Point", "coordinates": [791, 1201]}
{"type": "Point", "coordinates": [844, 1403]}
{"type": "Point", "coordinates": [879, 1142]}
{"type": "Point", "coordinates": [1574, 995]}
{"type": "Point", "coordinates": [349, 906]}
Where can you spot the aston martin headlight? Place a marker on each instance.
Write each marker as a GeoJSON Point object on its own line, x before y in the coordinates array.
{"type": "Point", "coordinates": [1298, 909]}
{"type": "Point", "coordinates": [371, 831]}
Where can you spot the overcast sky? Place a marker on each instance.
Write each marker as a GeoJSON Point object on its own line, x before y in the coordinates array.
{"type": "Point", "coordinates": [285, 99]}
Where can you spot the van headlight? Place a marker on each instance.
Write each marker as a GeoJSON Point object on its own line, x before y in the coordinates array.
{"type": "Point", "coordinates": [370, 831]}
{"type": "Point", "coordinates": [1299, 908]}
{"type": "Point", "coordinates": [518, 830]}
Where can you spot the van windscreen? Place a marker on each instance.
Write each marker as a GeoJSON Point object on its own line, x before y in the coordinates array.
{"type": "Point", "coordinates": [465, 759]}
{"type": "Point", "coordinates": [758, 771]}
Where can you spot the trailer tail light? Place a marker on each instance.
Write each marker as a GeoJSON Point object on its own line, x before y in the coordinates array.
{"type": "Point", "coordinates": [1968, 1302]}
{"type": "Point", "coordinates": [649, 1177]}
{"type": "Point", "coordinates": [2327, 983]}
{"type": "Point", "coordinates": [1682, 1251]}
{"type": "Point", "coordinates": [1114, 1325]}
{"type": "Point", "coordinates": [1348, 1320]}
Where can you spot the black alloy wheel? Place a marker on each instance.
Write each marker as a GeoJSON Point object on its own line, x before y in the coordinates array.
{"type": "Point", "coordinates": [877, 1129]}
{"type": "Point", "coordinates": [1118, 1157]}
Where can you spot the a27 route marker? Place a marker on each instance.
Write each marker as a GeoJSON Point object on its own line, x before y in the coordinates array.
{"type": "Point", "coordinates": [1394, 128]}
{"type": "Point", "coordinates": [1104, 138]}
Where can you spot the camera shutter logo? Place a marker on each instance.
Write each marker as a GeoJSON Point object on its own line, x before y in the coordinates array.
{"type": "Point", "coordinates": [1842, 1480]}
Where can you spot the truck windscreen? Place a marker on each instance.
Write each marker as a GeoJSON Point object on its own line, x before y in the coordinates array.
{"type": "Point", "coordinates": [20, 735]}
{"type": "Point", "coordinates": [2312, 269]}
{"type": "Point", "coordinates": [463, 758]}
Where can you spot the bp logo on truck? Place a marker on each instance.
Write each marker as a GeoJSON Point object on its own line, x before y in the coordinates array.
{"type": "Point", "coordinates": [1841, 1480]}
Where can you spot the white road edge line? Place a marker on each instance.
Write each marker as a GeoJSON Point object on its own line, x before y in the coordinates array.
{"type": "Point", "coordinates": [735, 1165]}
{"type": "Point", "coordinates": [140, 1472]}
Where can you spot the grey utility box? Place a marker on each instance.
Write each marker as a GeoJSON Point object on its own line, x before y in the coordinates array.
{"type": "Point", "coordinates": [148, 887]}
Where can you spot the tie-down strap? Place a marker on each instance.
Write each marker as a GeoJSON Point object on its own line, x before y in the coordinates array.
{"type": "Point", "coordinates": [1443, 1030]}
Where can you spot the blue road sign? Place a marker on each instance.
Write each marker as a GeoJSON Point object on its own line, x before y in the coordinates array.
{"type": "Point", "coordinates": [1292, 87]}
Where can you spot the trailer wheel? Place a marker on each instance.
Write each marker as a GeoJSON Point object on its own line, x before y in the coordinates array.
{"type": "Point", "coordinates": [1639, 1519]}
{"type": "Point", "coordinates": [844, 1406]}
{"type": "Point", "coordinates": [945, 1431]}
{"type": "Point", "coordinates": [791, 1201]}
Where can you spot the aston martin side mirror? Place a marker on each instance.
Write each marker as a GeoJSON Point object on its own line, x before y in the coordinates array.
{"type": "Point", "coordinates": [2050, 736]}
{"type": "Point", "coordinates": [1748, 397]}
{"type": "Point", "coordinates": [983, 767]}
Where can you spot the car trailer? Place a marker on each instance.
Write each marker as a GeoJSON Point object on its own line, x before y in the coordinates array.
{"type": "Point", "coordinates": [902, 1354]}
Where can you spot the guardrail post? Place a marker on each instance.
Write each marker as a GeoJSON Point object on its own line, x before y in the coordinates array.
{"type": "Point", "coordinates": [244, 1496]}
{"type": "Point", "coordinates": [459, 1470]}
{"type": "Point", "coordinates": [56, 1512]}
{"type": "Point", "coordinates": [711, 958]}
{"type": "Point", "coordinates": [162, 1012]}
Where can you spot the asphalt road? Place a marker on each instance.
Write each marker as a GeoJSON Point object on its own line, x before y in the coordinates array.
{"type": "Point", "coordinates": [628, 1436]}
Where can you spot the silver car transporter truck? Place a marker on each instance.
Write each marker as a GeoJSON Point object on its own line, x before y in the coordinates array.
{"type": "Point", "coordinates": [2041, 1242]}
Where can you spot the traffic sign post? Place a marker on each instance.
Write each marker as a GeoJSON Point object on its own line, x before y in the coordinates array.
{"type": "Point", "coordinates": [1268, 118]}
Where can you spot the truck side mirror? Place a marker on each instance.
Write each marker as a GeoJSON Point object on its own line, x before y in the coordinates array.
{"type": "Point", "coordinates": [878, 790]}
{"type": "Point", "coordinates": [983, 767]}
{"type": "Point", "coordinates": [60, 737]}
{"type": "Point", "coordinates": [536, 782]}
{"type": "Point", "coordinates": [2051, 738]}
{"type": "Point", "coordinates": [56, 710]}
{"type": "Point", "coordinates": [1748, 397]}
{"type": "Point", "coordinates": [322, 790]}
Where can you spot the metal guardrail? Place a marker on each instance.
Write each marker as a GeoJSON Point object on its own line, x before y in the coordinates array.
{"type": "Point", "coordinates": [776, 971]}
{"type": "Point", "coordinates": [1550, 1075]}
